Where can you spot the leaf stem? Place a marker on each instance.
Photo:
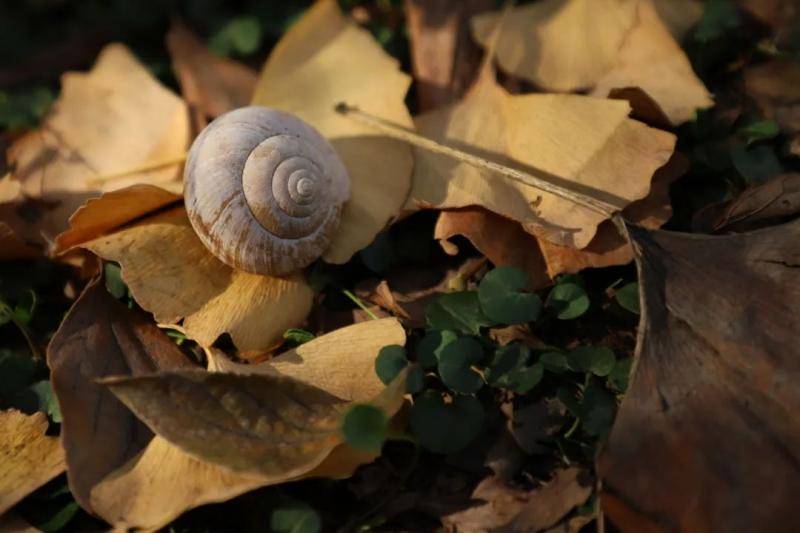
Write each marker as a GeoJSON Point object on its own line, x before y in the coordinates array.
{"type": "Point", "coordinates": [397, 132]}
{"type": "Point", "coordinates": [359, 303]}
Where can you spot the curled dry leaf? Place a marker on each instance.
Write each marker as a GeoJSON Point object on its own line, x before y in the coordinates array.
{"type": "Point", "coordinates": [548, 43]}
{"type": "Point", "coordinates": [101, 337]}
{"type": "Point", "coordinates": [28, 458]}
{"type": "Point", "coordinates": [584, 144]}
{"type": "Point", "coordinates": [18, 240]}
{"type": "Point", "coordinates": [504, 242]}
{"type": "Point", "coordinates": [164, 481]}
{"type": "Point", "coordinates": [210, 84]}
{"type": "Point", "coordinates": [171, 274]}
{"type": "Point", "coordinates": [508, 509]}
{"type": "Point", "coordinates": [713, 387]}
{"type": "Point", "coordinates": [113, 119]}
{"type": "Point", "coordinates": [325, 59]}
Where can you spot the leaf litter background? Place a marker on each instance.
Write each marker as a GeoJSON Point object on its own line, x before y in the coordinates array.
{"type": "Point", "coordinates": [676, 112]}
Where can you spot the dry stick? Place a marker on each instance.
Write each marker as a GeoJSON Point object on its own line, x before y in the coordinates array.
{"type": "Point", "coordinates": [146, 167]}
{"type": "Point", "coordinates": [530, 180]}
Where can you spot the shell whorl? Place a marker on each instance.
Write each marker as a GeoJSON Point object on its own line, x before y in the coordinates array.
{"type": "Point", "coordinates": [264, 190]}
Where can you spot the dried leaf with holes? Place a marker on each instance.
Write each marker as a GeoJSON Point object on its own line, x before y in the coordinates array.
{"type": "Point", "coordinates": [548, 43]}
{"type": "Point", "coordinates": [101, 337]}
{"type": "Point", "coordinates": [713, 387]}
{"type": "Point", "coordinates": [28, 458]}
{"type": "Point", "coordinates": [164, 481]}
{"type": "Point", "coordinates": [580, 143]}
{"type": "Point", "coordinates": [323, 59]}
{"type": "Point", "coordinates": [115, 118]}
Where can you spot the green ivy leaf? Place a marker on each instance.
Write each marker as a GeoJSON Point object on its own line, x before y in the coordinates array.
{"type": "Point", "coordinates": [446, 427]}
{"type": "Point", "coordinates": [60, 519]}
{"type": "Point", "coordinates": [455, 365]}
{"type": "Point", "coordinates": [719, 16]}
{"type": "Point", "coordinates": [756, 164]}
{"type": "Point", "coordinates": [760, 131]}
{"type": "Point", "coordinates": [628, 297]}
{"type": "Point", "coordinates": [569, 300]}
{"type": "Point", "coordinates": [113, 278]}
{"type": "Point", "coordinates": [621, 373]}
{"type": "Point", "coordinates": [503, 300]}
{"type": "Point", "coordinates": [457, 311]}
{"type": "Point", "coordinates": [597, 410]}
{"type": "Point", "coordinates": [365, 427]}
{"type": "Point", "coordinates": [293, 516]}
{"type": "Point", "coordinates": [599, 360]}
{"type": "Point", "coordinates": [509, 369]}
{"type": "Point", "coordinates": [430, 347]}
{"type": "Point", "coordinates": [554, 362]}
{"type": "Point", "coordinates": [241, 35]}
{"type": "Point", "coordinates": [48, 403]}
{"type": "Point", "coordinates": [390, 362]}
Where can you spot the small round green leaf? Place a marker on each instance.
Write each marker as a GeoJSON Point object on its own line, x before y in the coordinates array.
{"type": "Point", "coordinates": [506, 359]}
{"type": "Point", "coordinates": [446, 427]}
{"type": "Point", "coordinates": [430, 346]}
{"type": "Point", "coordinates": [365, 427]}
{"type": "Point", "coordinates": [569, 300]}
{"type": "Point", "coordinates": [523, 380]}
{"type": "Point", "coordinates": [599, 360]}
{"type": "Point", "coordinates": [390, 361]}
{"type": "Point", "coordinates": [457, 311]}
{"type": "Point", "coordinates": [297, 336]}
{"type": "Point", "coordinates": [597, 410]}
{"type": "Point", "coordinates": [455, 365]}
{"type": "Point", "coordinates": [503, 300]}
{"type": "Point", "coordinates": [628, 297]}
{"type": "Point", "coordinates": [554, 362]}
{"type": "Point", "coordinates": [620, 375]}
{"type": "Point", "coordinates": [295, 517]}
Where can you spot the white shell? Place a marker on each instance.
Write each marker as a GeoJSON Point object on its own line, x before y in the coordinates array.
{"type": "Point", "coordinates": [264, 190]}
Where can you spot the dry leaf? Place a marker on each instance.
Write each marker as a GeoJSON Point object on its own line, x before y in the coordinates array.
{"type": "Point", "coordinates": [171, 274]}
{"type": "Point", "coordinates": [775, 86]}
{"type": "Point", "coordinates": [325, 59]}
{"type": "Point", "coordinates": [210, 84]}
{"type": "Point", "coordinates": [586, 144]}
{"type": "Point", "coordinates": [679, 15]}
{"type": "Point", "coordinates": [707, 437]}
{"type": "Point", "coordinates": [443, 57]}
{"type": "Point", "coordinates": [11, 523]}
{"type": "Point", "coordinates": [18, 240]}
{"type": "Point", "coordinates": [340, 362]}
{"type": "Point", "coordinates": [652, 61]}
{"type": "Point", "coordinates": [101, 337]}
{"type": "Point", "coordinates": [512, 510]}
{"type": "Point", "coordinates": [559, 44]}
{"type": "Point", "coordinates": [112, 210]}
{"type": "Point", "coordinates": [115, 118]}
{"type": "Point", "coordinates": [28, 458]}
{"type": "Point", "coordinates": [164, 481]}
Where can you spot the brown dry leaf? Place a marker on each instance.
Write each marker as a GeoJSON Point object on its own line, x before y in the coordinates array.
{"type": "Point", "coordinates": [506, 509]}
{"type": "Point", "coordinates": [559, 44]}
{"type": "Point", "coordinates": [110, 211]}
{"type": "Point", "coordinates": [101, 337]}
{"type": "Point", "coordinates": [767, 204]}
{"type": "Point", "coordinates": [12, 247]}
{"type": "Point", "coordinates": [325, 59]}
{"type": "Point", "coordinates": [504, 242]}
{"type": "Point", "coordinates": [341, 362]}
{"type": "Point", "coordinates": [12, 523]}
{"type": "Point", "coordinates": [115, 118]}
{"type": "Point", "coordinates": [775, 86]}
{"type": "Point", "coordinates": [651, 60]}
{"type": "Point", "coordinates": [582, 143]}
{"type": "Point", "coordinates": [171, 274]}
{"type": "Point", "coordinates": [210, 84]}
{"type": "Point", "coordinates": [17, 239]}
{"type": "Point", "coordinates": [28, 458]}
{"type": "Point", "coordinates": [443, 58]}
{"type": "Point", "coordinates": [707, 437]}
{"type": "Point", "coordinates": [164, 481]}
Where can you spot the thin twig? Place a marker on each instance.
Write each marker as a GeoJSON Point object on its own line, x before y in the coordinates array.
{"type": "Point", "coordinates": [525, 178]}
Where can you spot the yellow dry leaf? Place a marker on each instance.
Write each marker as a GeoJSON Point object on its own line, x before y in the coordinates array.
{"type": "Point", "coordinates": [171, 274]}
{"type": "Point", "coordinates": [164, 481]}
{"type": "Point", "coordinates": [560, 45]}
{"type": "Point", "coordinates": [112, 119]}
{"type": "Point", "coordinates": [28, 458]}
{"type": "Point", "coordinates": [585, 144]}
{"type": "Point", "coordinates": [566, 45]}
{"type": "Point", "coordinates": [340, 362]}
{"type": "Point", "coordinates": [653, 61]}
{"type": "Point", "coordinates": [325, 59]}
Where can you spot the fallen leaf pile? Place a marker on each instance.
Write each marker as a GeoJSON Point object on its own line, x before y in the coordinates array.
{"type": "Point", "coordinates": [181, 381]}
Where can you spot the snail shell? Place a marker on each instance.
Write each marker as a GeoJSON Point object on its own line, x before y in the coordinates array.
{"type": "Point", "coordinates": [264, 190]}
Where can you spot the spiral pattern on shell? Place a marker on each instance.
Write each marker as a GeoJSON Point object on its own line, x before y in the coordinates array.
{"type": "Point", "coordinates": [264, 190]}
